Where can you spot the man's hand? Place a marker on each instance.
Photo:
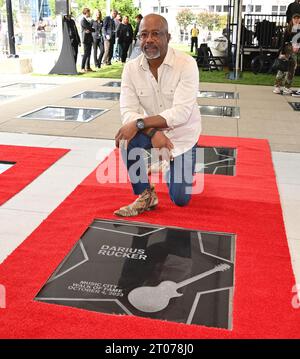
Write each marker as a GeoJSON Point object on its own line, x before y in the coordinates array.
{"type": "Point", "coordinates": [126, 133]}
{"type": "Point", "coordinates": [160, 140]}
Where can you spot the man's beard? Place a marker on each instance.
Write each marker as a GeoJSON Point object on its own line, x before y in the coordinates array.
{"type": "Point", "coordinates": [153, 54]}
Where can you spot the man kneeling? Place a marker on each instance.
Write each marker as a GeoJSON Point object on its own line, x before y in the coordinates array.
{"type": "Point", "coordinates": [159, 109]}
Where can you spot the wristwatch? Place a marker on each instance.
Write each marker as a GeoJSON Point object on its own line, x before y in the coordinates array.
{"type": "Point", "coordinates": [140, 124]}
{"type": "Point", "coordinates": [152, 132]}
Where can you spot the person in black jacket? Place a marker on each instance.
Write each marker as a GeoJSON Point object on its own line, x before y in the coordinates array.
{"type": "Point", "coordinates": [265, 32]}
{"type": "Point", "coordinates": [109, 36]}
{"type": "Point", "coordinates": [73, 34]}
{"type": "Point", "coordinates": [98, 38]}
{"type": "Point", "coordinates": [293, 8]}
{"type": "Point", "coordinates": [125, 35]}
{"type": "Point", "coordinates": [87, 39]}
{"type": "Point", "coordinates": [138, 20]}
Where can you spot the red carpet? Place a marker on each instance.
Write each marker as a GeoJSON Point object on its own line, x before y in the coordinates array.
{"type": "Point", "coordinates": [247, 205]}
{"type": "Point", "coordinates": [30, 162]}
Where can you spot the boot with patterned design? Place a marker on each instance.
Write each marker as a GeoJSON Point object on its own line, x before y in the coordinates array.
{"type": "Point", "coordinates": [145, 202]}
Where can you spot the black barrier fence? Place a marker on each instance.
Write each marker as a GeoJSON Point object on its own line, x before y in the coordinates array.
{"type": "Point", "coordinates": [261, 36]}
{"type": "Point", "coordinates": [264, 31]}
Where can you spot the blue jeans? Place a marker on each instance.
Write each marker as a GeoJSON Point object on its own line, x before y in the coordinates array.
{"type": "Point", "coordinates": [179, 177]}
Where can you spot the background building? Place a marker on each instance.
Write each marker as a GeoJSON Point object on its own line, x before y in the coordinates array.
{"type": "Point", "coordinates": [170, 8]}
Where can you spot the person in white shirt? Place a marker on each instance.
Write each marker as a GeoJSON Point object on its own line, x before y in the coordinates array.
{"type": "Point", "coordinates": [159, 110]}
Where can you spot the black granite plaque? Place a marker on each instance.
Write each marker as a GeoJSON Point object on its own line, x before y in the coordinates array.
{"type": "Point", "coordinates": [114, 96]}
{"type": "Point", "coordinates": [28, 85]}
{"type": "Point", "coordinates": [4, 166]}
{"type": "Point", "coordinates": [218, 161]}
{"type": "Point", "coordinates": [220, 111]}
{"type": "Point", "coordinates": [113, 84]}
{"type": "Point", "coordinates": [131, 268]}
{"type": "Point", "coordinates": [218, 94]}
{"type": "Point", "coordinates": [52, 113]}
{"type": "Point", "coordinates": [295, 106]}
{"type": "Point", "coordinates": [213, 160]}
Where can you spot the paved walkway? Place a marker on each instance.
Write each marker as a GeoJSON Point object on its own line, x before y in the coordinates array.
{"type": "Point", "coordinates": [262, 113]}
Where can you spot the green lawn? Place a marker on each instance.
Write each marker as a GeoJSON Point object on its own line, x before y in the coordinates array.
{"type": "Point", "coordinates": [182, 47]}
{"type": "Point", "coordinates": [114, 71]}
{"type": "Point", "coordinates": [247, 78]}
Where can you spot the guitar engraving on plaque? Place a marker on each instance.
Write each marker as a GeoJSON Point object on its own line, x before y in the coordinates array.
{"type": "Point", "coordinates": [154, 299]}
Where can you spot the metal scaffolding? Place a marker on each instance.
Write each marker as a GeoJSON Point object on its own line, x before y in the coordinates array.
{"type": "Point", "coordinates": [10, 29]}
{"type": "Point", "coordinates": [234, 26]}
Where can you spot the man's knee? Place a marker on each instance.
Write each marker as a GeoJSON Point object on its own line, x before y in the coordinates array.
{"type": "Point", "coordinates": [180, 200]}
{"type": "Point", "coordinates": [133, 143]}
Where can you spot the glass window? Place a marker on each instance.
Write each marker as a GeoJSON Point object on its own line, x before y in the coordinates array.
{"type": "Point", "coordinates": [211, 8]}
{"type": "Point", "coordinates": [250, 8]}
{"type": "Point", "coordinates": [274, 10]}
{"type": "Point", "coordinates": [218, 8]}
{"type": "Point", "coordinates": [155, 8]}
{"type": "Point", "coordinates": [243, 8]}
{"type": "Point", "coordinates": [257, 8]}
{"type": "Point", "coordinates": [162, 9]}
{"type": "Point", "coordinates": [225, 8]}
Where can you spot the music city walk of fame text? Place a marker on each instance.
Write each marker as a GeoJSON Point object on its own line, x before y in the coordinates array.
{"type": "Point", "coordinates": [96, 288]}
{"type": "Point", "coordinates": [150, 348]}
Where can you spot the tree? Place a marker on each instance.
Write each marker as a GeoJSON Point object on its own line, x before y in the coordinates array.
{"type": "Point", "coordinates": [209, 20]}
{"type": "Point", "coordinates": [2, 10]}
{"type": "Point", "coordinates": [184, 18]}
{"type": "Point", "coordinates": [52, 7]}
{"type": "Point", "coordinates": [91, 4]}
{"type": "Point", "coordinates": [223, 21]}
{"type": "Point", "coordinates": [126, 7]}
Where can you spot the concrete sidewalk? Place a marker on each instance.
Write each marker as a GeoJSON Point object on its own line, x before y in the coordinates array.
{"type": "Point", "coordinates": [263, 114]}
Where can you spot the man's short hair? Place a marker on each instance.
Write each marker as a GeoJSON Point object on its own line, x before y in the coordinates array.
{"type": "Point", "coordinates": [85, 10]}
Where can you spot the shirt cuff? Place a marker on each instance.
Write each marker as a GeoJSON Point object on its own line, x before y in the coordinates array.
{"type": "Point", "coordinates": [168, 117]}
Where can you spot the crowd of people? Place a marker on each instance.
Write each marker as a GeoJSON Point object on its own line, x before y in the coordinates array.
{"type": "Point", "coordinates": [110, 38]}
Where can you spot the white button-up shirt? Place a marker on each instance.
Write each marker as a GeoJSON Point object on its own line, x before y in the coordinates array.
{"type": "Point", "coordinates": [173, 96]}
